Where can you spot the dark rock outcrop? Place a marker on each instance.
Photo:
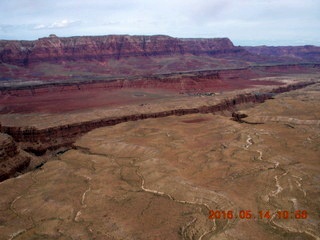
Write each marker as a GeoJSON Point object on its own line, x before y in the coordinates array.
{"type": "Point", "coordinates": [8, 147]}
{"type": "Point", "coordinates": [238, 117]}
{"type": "Point", "coordinates": [12, 159]}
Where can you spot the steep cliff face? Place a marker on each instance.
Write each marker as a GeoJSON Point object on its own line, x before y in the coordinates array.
{"type": "Point", "coordinates": [55, 49]}
{"type": "Point", "coordinates": [295, 53]}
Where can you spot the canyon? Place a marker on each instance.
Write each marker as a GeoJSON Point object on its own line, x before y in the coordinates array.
{"type": "Point", "coordinates": [158, 178]}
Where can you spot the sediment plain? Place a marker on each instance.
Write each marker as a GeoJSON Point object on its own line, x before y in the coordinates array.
{"type": "Point", "coordinates": [158, 178]}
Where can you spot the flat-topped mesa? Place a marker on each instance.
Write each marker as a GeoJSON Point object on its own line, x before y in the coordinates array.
{"type": "Point", "coordinates": [55, 49]}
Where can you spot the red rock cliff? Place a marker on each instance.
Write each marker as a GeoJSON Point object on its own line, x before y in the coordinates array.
{"type": "Point", "coordinates": [55, 49]}
{"type": "Point", "coordinates": [293, 53]}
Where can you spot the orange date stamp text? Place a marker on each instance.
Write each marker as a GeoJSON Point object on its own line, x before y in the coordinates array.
{"type": "Point", "coordinates": [262, 214]}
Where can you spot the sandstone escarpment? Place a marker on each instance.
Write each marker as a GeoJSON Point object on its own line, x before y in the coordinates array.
{"type": "Point", "coordinates": [55, 49]}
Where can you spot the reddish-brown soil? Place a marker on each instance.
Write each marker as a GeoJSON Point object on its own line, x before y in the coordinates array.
{"type": "Point", "coordinates": [91, 92]}
{"type": "Point", "coordinates": [76, 100]}
{"type": "Point", "coordinates": [81, 97]}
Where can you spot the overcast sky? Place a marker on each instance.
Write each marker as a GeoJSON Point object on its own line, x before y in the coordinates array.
{"type": "Point", "coordinates": [245, 22]}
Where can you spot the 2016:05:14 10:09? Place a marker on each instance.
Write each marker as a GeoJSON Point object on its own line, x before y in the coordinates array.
{"type": "Point", "coordinates": [267, 214]}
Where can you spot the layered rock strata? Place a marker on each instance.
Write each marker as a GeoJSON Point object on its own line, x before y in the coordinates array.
{"type": "Point", "coordinates": [191, 80]}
